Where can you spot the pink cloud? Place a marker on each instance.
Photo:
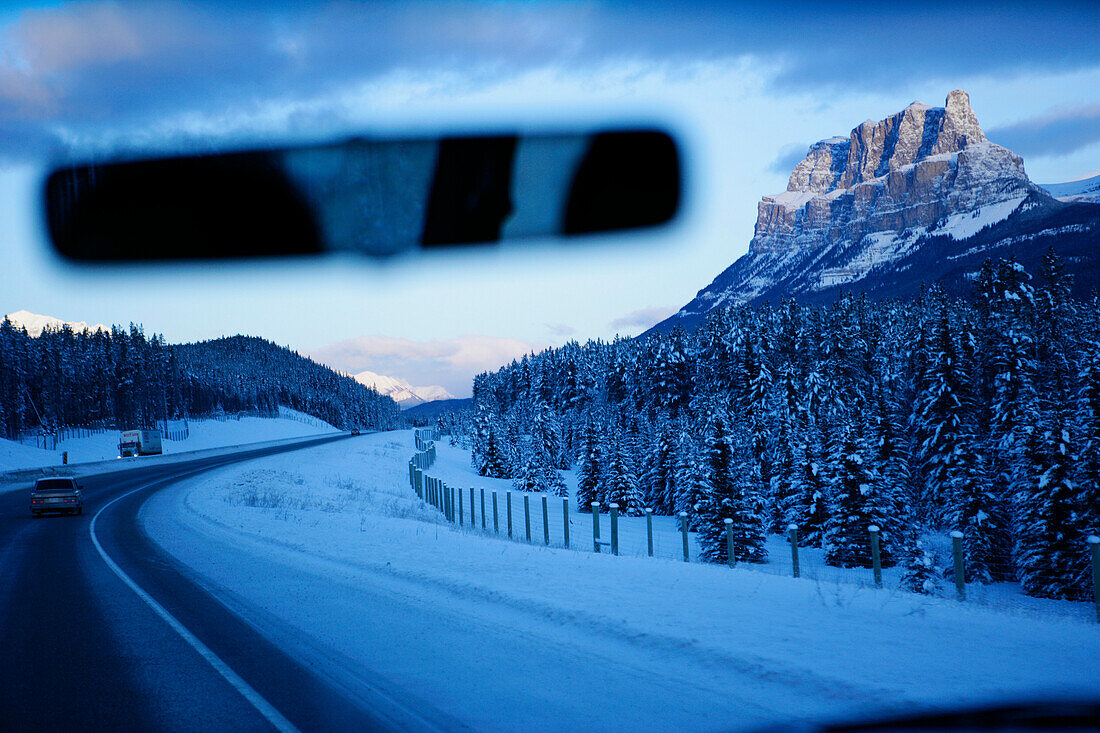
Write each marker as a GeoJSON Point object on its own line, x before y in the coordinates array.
{"type": "Point", "coordinates": [452, 362]}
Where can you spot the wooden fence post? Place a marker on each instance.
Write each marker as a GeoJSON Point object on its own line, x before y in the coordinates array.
{"type": "Point", "coordinates": [1094, 550]}
{"type": "Point", "coordinates": [614, 528]}
{"type": "Point", "coordinates": [792, 530]}
{"type": "Point", "coordinates": [684, 532]}
{"type": "Point", "coordinates": [565, 517]}
{"type": "Point", "coordinates": [960, 568]}
{"type": "Point", "coordinates": [876, 557]}
{"type": "Point", "coordinates": [545, 522]}
{"type": "Point", "coordinates": [527, 516]}
{"type": "Point", "coordinates": [649, 529]}
{"type": "Point", "coordinates": [729, 541]}
{"type": "Point", "coordinates": [596, 525]}
{"type": "Point", "coordinates": [508, 504]}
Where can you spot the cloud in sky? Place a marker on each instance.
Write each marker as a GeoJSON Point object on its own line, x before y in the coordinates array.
{"type": "Point", "coordinates": [77, 68]}
{"type": "Point", "coordinates": [788, 158]}
{"type": "Point", "coordinates": [560, 329]}
{"type": "Point", "coordinates": [642, 319]}
{"type": "Point", "coordinates": [452, 362]}
{"type": "Point", "coordinates": [1059, 132]}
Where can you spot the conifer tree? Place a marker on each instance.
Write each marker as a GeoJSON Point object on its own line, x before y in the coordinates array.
{"type": "Point", "coordinates": [857, 505]}
{"type": "Point", "coordinates": [1050, 532]}
{"type": "Point", "coordinates": [588, 472]}
{"type": "Point", "coordinates": [732, 495]}
{"type": "Point", "coordinates": [622, 481]}
{"type": "Point", "coordinates": [921, 573]}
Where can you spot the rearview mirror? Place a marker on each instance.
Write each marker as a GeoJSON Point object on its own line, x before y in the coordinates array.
{"type": "Point", "coordinates": [374, 197]}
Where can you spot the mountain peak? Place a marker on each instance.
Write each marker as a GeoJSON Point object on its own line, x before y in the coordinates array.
{"type": "Point", "coordinates": [858, 211]}
{"type": "Point", "coordinates": [403, 393]}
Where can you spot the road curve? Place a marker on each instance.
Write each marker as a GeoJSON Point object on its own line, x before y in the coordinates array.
{"type": "Point", "coordinates": [103, 631]}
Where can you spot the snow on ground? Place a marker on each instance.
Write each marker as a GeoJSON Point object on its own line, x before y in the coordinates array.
{"type": "Point", "coordinates": [203, 434]}
{"type": "Point", "coordinates": [330, 548]}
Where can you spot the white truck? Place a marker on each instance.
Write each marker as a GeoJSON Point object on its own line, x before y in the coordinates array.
{"type": "Point", "coordinates": [139, 443]}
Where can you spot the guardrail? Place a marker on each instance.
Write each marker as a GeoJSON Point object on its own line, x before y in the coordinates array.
{"type": "Point", "coordinates": [478, 509]}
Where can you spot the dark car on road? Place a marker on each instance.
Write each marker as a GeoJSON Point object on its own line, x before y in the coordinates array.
{"type": "Point", "coordinates": [57, 495]}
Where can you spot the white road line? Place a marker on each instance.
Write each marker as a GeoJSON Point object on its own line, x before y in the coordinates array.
{"type": "Point", "coordinates": [254, 698]}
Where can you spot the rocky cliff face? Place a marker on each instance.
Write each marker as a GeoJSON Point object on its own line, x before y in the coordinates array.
{"type": "Point", "coordinates": [858, 207]}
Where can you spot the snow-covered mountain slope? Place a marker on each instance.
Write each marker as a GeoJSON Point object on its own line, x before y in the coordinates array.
{"type": "Point", "coordinates": [403, 393]}
{"type": "Point", "coordinates": [36, 323]}
{"type": "Point", "coordinates": [919, 197]}
{"type": "Point", "coordinates": [1086, 190]}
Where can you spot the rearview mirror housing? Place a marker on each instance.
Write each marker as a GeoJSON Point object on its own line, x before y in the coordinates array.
{"type": "Point", "coordinates": [376, 197]}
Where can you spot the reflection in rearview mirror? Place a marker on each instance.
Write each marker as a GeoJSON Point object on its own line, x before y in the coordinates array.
{"type": "Point", "coordinates": [375, 197]}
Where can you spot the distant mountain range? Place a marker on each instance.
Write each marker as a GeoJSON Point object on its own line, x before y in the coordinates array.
{"type": "Point", "coordinates": [920, 197]}
{"type": "Point", "coordinates": [400, 391]}
{"type": "Point", "coordinates": [1083, 190]}
{"type": "Point", "coordinates": [36, 323]}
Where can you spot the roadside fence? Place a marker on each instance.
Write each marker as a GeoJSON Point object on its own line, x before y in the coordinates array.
{"type": "Point", "coordinates": [495, 512]}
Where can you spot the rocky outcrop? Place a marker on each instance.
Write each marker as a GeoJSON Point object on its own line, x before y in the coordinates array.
{"type": "Point", "coordinates": [860, 206]}
{"type": "Point", "coordinates": [910, 170]}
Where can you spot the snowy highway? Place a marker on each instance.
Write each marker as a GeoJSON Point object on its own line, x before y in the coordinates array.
{"type": "Point", "coordinates": [83, 651]}
{"type": "Point", "coordinates": [310, 590]}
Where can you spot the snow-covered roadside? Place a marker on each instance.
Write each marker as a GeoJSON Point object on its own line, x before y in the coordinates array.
{"type": "Point", "coordinates": [340, 518]}
{"type": "Point", "coordinates": [203, 434]}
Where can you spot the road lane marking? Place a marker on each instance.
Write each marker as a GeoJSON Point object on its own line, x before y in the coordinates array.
{"type": "Point", "coordinates": [254, 698]}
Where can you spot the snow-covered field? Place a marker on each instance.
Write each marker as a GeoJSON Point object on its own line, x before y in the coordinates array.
{"type": "Point", "coordinates": [330, 549]}
{"type": "Point", "coordinates": [203, 434]}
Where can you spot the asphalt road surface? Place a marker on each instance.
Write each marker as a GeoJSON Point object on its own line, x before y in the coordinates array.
{"type": "Point", "coordinates": [100, 630]}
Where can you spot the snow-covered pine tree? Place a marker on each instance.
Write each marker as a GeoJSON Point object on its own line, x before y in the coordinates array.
{"type": "Point", "coordinates": [858, 503]}
{"type": "Point", "coordinates": [537, 473]}
{"type": "Point", "coordinates": [622, 480]}
{"type": "Point", "coordinates": [809, 504]}
{"type": "Point", "coordinates": [588, 472]}
{"type": "Point", "coordinates": [982, 518]}
{"type": "Point", "coordinates": [732, 495]}
{"type": "Point", "coordinates": [942, 414]}
{"type": "Point", "coordinates": [691, 479]}
{"type": "Point", "coordinates": [921, 573]}
{"type": "Point", "coordinates": [660, 476]}
{"type": "Point", "coordinates": [1087, 421]}
{"type": "Point", "coordinates": [492, 459]}
{"type": "Point", "coordinates": [1050, 536]}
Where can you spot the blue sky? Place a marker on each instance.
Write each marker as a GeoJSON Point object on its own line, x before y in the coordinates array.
{"type": "Point", "coordinates": [746, 87]}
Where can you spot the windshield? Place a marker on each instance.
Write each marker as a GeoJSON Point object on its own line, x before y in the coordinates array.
{"type": "Point", "coordinates": [582, 365]}
{"type": "Point", "coordinates": [54, 485]}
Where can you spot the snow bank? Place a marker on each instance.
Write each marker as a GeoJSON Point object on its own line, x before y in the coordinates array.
{"type": "Point", "coordinates": [203, 434]}
{"type": "Point", "coordinates": [778, 648]}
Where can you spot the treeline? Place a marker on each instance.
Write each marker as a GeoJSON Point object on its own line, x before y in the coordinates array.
{"type": "Point", "coordinates": [123, 379]}
{"type": "Point", "coordinates": [979, 414]}
{"type": "Point", "coordinates": [250, 370]}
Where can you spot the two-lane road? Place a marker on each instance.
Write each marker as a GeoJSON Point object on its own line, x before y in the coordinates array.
{"type": "Point", "coordinates": [99, 630]}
